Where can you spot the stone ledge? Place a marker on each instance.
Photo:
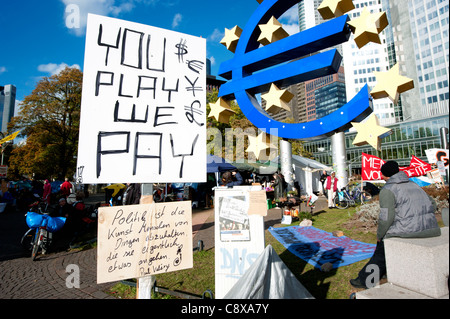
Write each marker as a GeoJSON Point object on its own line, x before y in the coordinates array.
{"type": "Point", "coordinates": [390, 291]}
{"type": "Point", "coordinates": [419, 264]}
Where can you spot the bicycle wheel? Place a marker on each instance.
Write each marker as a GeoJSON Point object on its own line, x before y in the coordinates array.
{"type": "Point", "coordinates": [365, 197]}
{"type": "Point", "coordinates": [341, 204]}
{"type": "Point", "coordinates": [36, 244]}
{"type": "Point", "coordinates": [28, 240]}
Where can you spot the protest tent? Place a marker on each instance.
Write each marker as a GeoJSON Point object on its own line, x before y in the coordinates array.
{"type": "Point", "coordinates": [307, 173]}
{"type": "Point", "coordinates": [268, 278]}
{"type": "Point", "coordinates": [216, 164]}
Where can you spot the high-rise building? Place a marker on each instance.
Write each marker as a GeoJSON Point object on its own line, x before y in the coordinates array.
{"type": "Point", "coordinates": [360, 64]}
{"type": "Point", "coordinates": [325, 95]}
{"type": "Point", "coordinates": [7, 105]}
{"type": "Point", "coordinates": [419, 43]}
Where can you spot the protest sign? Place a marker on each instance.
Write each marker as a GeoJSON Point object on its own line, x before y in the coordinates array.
{"type": "Point", "coordinates": [435, 155]}
{"type": "Point", "coordinates": [141, 240]}
{"type": "Point", "coordinates": [143, 109]}
{"type": "Point", "coordinates": [371, 165]}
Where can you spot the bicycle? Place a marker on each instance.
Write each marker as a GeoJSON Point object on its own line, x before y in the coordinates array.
{"type": "Point", "coordinates": [343, 199]}
{"type": "Point", "coordinates": [42, 225]}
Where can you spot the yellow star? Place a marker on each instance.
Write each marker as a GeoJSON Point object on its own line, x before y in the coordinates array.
{"type": "Point", "coordinates": [271, 31]}
{"type": "Point", "coordinates": [391, 84]}
{"type": "Point", "coordinates": [367, 27]}
{"type": "Point", "coordinates": [277, 99]}
{"type": "Point", "coordinates": [231, 38]}
{"type": "Point", "coordinates": [259, 144]}
{"type": "Point", "coordinates": [221, 111]}
{"type": "Point", "coordinates": [329, 9]}
{"type": "Point", "coordinates": [370, 132]}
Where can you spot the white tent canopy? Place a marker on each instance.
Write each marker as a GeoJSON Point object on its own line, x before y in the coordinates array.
{"type": "Point", "coordinates": [307, 173]}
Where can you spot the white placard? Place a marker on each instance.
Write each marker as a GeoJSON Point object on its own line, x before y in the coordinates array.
{"type": "Point", "coordinates": [141, 240]}
{"type": "Point", "coordinates": [143, 109]}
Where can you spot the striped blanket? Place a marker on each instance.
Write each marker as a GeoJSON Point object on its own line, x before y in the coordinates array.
{"type": "Point", "coordinates": [318, 247]}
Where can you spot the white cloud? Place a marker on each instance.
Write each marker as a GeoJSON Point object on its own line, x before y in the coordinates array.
{"type": "Point", "coordinates": [216, 36]}
{"type": "Point", "coordinates": [53, 68]}
{"type": "Point", "coordinates": [176, 20]}
{"type": "Point", "coordinates": [289, 20]}
{"type": "Point", "coordinates": [2, 69]}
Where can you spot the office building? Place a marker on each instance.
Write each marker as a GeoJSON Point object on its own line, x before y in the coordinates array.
{"type": "Point", "coordinates": [408, 138]}
{"type": "Point", "coordinates": [7, 105]}
{"type": "Point", "coordinates": [419, 43]}
{"type": "Point", "coordinates": [361, 63]}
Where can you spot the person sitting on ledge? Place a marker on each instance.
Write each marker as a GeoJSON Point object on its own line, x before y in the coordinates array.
{"type": "Point", "coordinates": [405, 211]}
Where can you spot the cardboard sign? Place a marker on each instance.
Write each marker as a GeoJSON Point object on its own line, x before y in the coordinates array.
{"type": "Point", "coordinates": [435, 155]}
{"type": "Point", "coordinates": [141, 240]}
{"type": "Point", "coordinates": [143, 109]}
{"type": "Point", "coordinates": [239, 236]}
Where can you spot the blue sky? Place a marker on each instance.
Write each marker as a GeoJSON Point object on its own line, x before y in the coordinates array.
{"type": "Point", "coordinates": [37, 40]}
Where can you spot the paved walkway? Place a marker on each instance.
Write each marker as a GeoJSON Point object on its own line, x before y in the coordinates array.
{"type": "Point", "coordinates": [22, 278]}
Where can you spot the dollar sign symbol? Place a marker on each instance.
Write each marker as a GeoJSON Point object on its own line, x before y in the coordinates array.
{"type": "Point", "coordinates": [182, 50]}
{"type": "Point", "coordinates": [253, 69]}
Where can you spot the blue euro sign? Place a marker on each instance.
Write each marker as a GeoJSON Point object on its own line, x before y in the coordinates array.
{"type": "Point", "coordinates": [253, 69]}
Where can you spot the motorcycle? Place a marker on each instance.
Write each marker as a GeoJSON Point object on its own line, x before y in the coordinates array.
{"type": "Point", "coordinates": [42, 226]}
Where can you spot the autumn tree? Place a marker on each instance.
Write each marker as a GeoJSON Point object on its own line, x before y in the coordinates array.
{"type": "Point", "coordinates": [49, 118]}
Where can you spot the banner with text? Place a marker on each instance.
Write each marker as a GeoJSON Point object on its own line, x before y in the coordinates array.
{"type": "Point", "coordinates": [141, 240]}
{"type": "Point", "coordinates": [371, 166]}
{"type": "Point", "coordinates": [143, 109]}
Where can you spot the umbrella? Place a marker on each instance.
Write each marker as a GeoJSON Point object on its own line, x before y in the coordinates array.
{"type": "Point", "coordinates": [116, 188]}
{"type": "Point", "coordinates": [217, 164]}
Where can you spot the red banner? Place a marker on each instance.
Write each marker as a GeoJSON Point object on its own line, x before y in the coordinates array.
{"type": "Point", "coordinates": [371, 166]}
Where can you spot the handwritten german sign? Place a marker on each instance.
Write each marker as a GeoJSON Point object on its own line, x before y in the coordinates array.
{"type": "Point", "coordinates": [143, 109]}
{"type": "Point", "coordinates": [141, 240]}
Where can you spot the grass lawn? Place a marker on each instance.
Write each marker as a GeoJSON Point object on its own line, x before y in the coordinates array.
{"type": "Point", "coordinates": [322, 285]}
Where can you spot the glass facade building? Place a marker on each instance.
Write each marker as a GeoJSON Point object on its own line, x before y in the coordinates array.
{"type": "Point", "coordinates": [407, 139]}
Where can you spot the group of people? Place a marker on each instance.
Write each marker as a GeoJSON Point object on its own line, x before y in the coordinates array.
{"type": "Point", "coordinates": [405, 211]}
{"type": "Point", "coordinates": [278, 183]}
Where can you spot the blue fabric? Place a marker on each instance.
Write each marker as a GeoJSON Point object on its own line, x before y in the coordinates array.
{"type": "Point", "coordinates": [53, 224]}
{"type": "Point", "coordinates": [318, 247]}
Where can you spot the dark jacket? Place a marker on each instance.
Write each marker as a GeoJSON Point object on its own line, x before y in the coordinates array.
{"type": "Point", "coordinates": [133, 194]}
{"type": "Point", "coordinates": [406, 210]}
{"type": "Point", "coordinates": [278, 187]}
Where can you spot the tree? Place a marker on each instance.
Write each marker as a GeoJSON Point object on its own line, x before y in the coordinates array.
{"type": "Point", "coordinates": [49, 118]}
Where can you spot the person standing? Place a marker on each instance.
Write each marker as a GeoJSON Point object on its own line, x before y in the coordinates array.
{"type": "Point", "coordinates": [278, 186]}
{"type": "Point", "coordinates": [405, 211]}
{"type": "Point", "coordinates": [323, 179]}
{"type": "Point", "coordinates": [66, 188]}
{"type": "Point", "coordinates": [132, 195]}
{"type": "Point", "coordinates": [46, 194]}
{"type": "Point", "coordinates": [331, 187]}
